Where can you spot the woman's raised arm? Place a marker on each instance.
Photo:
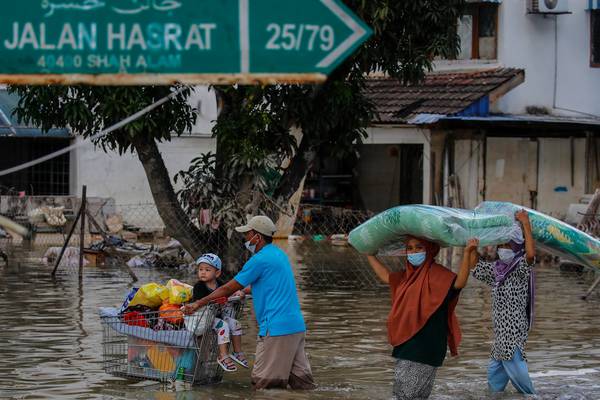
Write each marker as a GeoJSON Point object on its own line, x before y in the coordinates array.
{"type": "Point", "coordinates": [523, 217]}
{"type": "Point", "coordinates": [466, 264]}
{"type": "Point", "coordinates": [382, 272]}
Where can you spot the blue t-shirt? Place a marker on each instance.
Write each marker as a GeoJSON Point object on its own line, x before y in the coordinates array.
{"type": "Point", "coordinates": [274, 292]}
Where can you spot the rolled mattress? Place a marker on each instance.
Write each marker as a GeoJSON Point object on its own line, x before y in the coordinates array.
{"type": "Point", "coordinates": [491, 222]}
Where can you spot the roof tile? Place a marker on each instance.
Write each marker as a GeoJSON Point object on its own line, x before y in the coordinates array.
{"type": "Point", "coordinates": [447, 93]}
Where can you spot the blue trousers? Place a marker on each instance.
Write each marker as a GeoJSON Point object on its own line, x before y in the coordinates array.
{"type": "Point", "coordinates": [515, 370]}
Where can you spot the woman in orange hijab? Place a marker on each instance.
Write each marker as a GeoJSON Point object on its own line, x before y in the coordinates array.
{"type": "Point", "coordinates": [422, 324]}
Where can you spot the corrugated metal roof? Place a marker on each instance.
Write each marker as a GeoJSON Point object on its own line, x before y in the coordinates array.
{"type": "Point", "coordinates": [547, 119]}
{"type": "Point", "coordinates": [425, 119]}
{"type": "Point", "coordinates": [8, 102]}
{"type": "Point", "coordinates": [9, 126]}
{"type": "Point", "coordinates": [21, 132]}
{"type": "Point", "coordinates": [430, 119]}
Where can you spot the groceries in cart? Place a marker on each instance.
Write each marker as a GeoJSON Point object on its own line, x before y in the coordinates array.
{"type": "Point", "coordinates": [149, 337]}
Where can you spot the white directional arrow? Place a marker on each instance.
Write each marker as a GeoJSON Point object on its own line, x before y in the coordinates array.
{"type": "Point", "coordinates": [358, 33]}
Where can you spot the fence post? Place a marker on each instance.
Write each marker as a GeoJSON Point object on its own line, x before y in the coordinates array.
{"type": "Point", "coordinates": [62, 251]}
{"type": "Point", "coordinates": [82, 229]}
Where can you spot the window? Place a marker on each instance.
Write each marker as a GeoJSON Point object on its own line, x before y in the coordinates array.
{"type": "Point", "coordinates": [595, 38]}
{"type": "Point", "coordinates": [50, 178]}
{"type": "Point", "coordinates": [478, 31]}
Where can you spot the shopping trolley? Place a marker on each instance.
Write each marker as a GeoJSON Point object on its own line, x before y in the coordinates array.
{"type": "Point", "coordinates": [165, 345]}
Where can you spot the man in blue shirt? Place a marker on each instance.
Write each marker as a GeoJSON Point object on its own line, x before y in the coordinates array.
{"type": "Point", "coordinates": [280, 357]}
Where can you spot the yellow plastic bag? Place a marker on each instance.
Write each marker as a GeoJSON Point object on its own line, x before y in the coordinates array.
{"type": "Point", "coordinates": [149, 295]}
{"type": "Point", "coordinates": [179, 292]}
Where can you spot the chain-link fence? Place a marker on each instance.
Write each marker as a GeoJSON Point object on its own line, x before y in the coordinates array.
{"type": "Point", "coordinates": [141, 236]}
{"type": "Point", "coordinates": [149, 236]}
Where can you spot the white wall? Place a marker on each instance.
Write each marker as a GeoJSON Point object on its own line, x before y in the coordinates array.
{"type": "Point", "coordinates": [406, 135]}
{"type": "Point", "coordinates": [122, 177]}
{"type": "Point", "coordinates": [528, 41]}
{"type": "Point", "coordinates": [203, 99]}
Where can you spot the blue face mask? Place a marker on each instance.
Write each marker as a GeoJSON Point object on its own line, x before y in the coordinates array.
{"type": "Point", "coordinates": [250, 246]}
{"type": "Point", "coordinates": [417, 259]}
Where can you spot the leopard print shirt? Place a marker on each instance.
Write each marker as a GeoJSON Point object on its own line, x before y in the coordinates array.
{"type": "Point", "coordinates": [509, 308]}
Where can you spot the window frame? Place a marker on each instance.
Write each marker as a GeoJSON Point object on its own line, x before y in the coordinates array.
{"type": "Point", "coordinates": [50, 178]}
{"type": "Point", "coordinates": [594, 47]}
{"type": "Point", "coordinates": [475, 11]}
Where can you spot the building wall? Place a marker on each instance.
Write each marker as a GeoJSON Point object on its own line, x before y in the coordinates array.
{"type": "Point", "coordinates": [555, 53]}
{"type": "Point", "coordinates": [468, 161]}
{"type": "Point", "coordinates": [512, 169]}
{"type": "Point", "coordinates": [562, 174]}
{"type": "Point", "coordinates": [528, 41]}
{"type": "Point", "coordinates": [122, 177]}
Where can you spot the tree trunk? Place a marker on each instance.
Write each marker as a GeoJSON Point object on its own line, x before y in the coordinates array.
{"type": "Point", "coordinates": [224, 105]}
{"type": "Point", "coordinates": [178, 224]}
{"type": "Point", "coordinates": [300, 165]}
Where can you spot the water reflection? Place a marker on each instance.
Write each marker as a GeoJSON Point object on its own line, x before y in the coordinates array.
{"type": "Point", "coordinates": [50, 336]}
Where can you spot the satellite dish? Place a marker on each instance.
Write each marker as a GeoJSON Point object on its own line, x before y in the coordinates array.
{"type": "Point", "coordinates": [551, 4]}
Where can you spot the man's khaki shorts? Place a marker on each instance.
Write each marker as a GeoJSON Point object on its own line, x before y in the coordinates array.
{"type": "Point", "coordinates": [281, 361]}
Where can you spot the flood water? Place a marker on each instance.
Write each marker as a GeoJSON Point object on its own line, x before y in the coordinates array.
{"type": "Point", "coordinates": [50, 338]}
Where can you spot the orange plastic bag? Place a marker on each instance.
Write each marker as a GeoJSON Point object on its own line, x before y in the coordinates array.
{"type": "Point", "coordinates": [171, 313]}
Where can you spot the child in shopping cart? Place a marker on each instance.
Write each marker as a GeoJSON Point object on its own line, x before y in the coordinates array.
{"type": "Point", "coordinates": [228, 329]}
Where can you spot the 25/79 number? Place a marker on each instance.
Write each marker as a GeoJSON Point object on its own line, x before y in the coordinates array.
{"type": "Point", "coordinates": [292, 37]}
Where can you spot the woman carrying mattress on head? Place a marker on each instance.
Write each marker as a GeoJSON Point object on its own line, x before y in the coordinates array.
{"type": "Point", "coordinates": [422, 324]}
{"type": "Point", "coordinates": [512, 280]}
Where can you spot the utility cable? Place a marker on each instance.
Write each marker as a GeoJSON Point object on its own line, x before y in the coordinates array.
{"type": "Point", "coordinates": [98, 135]}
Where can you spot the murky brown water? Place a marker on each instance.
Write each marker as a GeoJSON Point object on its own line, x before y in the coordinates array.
{"type": "Point", "coordinates": [50, 339]}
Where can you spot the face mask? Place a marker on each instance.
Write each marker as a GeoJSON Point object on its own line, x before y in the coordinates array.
{"type": "Point", "coordinates": [506, 255]}
{"type": "Point", "coordinates": [417, 259]}
{"type": "Point", "coordinates": [251, 247]}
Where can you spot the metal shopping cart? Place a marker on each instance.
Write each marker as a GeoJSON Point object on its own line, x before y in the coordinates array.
{"type": "Point", "coordinates": [165, 345]}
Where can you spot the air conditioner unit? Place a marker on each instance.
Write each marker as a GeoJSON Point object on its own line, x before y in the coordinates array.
{"type": "Point", "coordinates": [548, 7]}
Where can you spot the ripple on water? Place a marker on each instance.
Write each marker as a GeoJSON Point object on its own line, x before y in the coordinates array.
{"type": "Point", "coordinates": [50, 340]}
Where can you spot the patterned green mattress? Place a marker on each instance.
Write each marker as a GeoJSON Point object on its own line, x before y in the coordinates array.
{"type": "Point", "coordinates": [491, 222]}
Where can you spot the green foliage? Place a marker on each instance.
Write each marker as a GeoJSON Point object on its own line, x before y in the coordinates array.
{"type": "Point", "coordinates": [258, 122]}
{"type": "Point", "coordinates": [408, 36]}
{"type": "Point", "coordinates": [204, 190]}
{"type": "Point", "coordinates": [255, 129]}
{"type": "Point", "coordinates": [89, 109]}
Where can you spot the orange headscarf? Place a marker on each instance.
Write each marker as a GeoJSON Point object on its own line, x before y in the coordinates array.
{"type": "Point", "coordinates": [417, 293]}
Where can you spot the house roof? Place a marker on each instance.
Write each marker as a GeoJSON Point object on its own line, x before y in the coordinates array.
{"type": "Point", "coordinates": [9, 126]}
{"type": "Point", "coordinates": [521, 121]}
{"type": "Point", "coordinates": [441, 93]}
{"type": "Point", "coordinates": [8, 102]}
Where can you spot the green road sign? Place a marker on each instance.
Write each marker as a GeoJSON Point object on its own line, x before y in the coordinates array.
{"type": "Point", "coordinates": [165, 41]}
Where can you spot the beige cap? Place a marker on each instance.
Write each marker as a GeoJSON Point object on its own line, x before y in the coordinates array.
{"type": "Point", "coordinates": [260, 224]}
